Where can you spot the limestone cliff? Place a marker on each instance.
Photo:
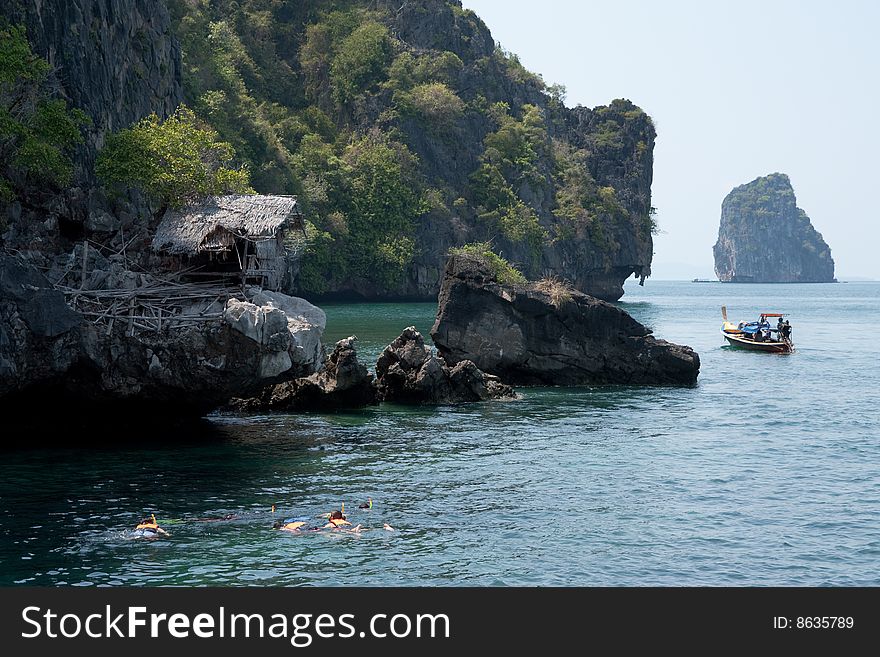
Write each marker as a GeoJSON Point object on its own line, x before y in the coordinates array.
{"type": "Point", "coordinates": [118, 61]}
{"type": "Point", "coordinates": [765, 238]}
{"type": "Point", "coordinates": [596, 254]}
{"type": "Point", "coordinates": [115, 59]}
{"type": "Point", "coordinates": [555, 189]}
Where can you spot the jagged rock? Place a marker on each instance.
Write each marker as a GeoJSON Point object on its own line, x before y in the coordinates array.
{"type": "Point", "coordinates": [343, 382]}
{"type": "Point", "coordinates": [38, 337]}
{"type": "Point", "coordinates": [46, 348]}
{"type": "Point", "coordinates": [302, 317]}
{"type": "Point", "coordinates": [101, 221]}
{"type": "Point", "coordinates": [532, 336]}
{"type": "Point", "coordinates": [47, 314]}
{"type": "Point", "coordinates": [765, 238]}
{"type": "Point", "coordinates": [288, 339]}
{"type": "Point", "coordinates": [42, 309]}
{"type": "Point", "coordinates": [408, 372]}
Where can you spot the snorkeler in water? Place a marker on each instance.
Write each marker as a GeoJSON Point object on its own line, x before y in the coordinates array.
{"type": "Point", "coordinates": [336, 521]}
{"type": "Point", "coordinates": [294, 526]}
{"type": "Point", "coordinates": [149, 528]}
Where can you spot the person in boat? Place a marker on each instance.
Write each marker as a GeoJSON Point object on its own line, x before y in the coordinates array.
{"type": "Point", "coordinates": [785, 331]}
{"type": "Point", "coordinates": [149, 528]}
{"type": "Point", "coordinates": [758, 335]}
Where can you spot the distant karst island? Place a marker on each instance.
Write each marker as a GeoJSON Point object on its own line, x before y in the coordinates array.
{"type": "Point", "coordinates": [765, 238]}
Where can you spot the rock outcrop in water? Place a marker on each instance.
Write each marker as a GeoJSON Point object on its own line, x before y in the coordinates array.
{"type": "Point", "coordinates": [50, 353]}
{"type": "Point", "coordinates": [765, 238]}
{"type": "Point", "coordinates": [408, 372]}
{"type": "Point", "coordinates": [548, 335]}
{"type": "Point", "coordinates": [343, 382]}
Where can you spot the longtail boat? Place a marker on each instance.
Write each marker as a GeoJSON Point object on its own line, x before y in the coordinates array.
{"type": "Point", "coordinates": [757, 336]}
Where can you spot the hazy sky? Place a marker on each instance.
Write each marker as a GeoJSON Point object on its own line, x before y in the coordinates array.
{"type": "Point", "coordinates": [737, 90]}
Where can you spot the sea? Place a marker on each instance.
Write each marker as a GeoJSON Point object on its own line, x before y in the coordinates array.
{"type": "Point", "coordinates": [767, 472]}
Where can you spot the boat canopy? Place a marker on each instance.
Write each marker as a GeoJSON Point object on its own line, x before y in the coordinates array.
{"type": "Point", "coordinates": [750, 328]}
{"type": "Point", "coordinates": [772, 314]}
{"type": "Point", "coordinates": [754, 327]}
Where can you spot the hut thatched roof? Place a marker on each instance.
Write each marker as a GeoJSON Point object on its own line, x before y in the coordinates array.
{"type": "Point", "coordinates": [207, 226]}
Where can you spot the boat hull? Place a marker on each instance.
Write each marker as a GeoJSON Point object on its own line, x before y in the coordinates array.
{"type": "Point", "coordinates": [767, 347]}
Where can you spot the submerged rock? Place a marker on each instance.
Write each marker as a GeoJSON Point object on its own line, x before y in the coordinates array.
{"type": "Point", "coordinates": [548, 334]}
{"type": "Point", "coordinates": [408, 372]}
{"type": "Point", "coordinates": [48, 351]}
{"type": "Point", "coordinates": [343, 382]}
{"type": "Point", "coordinates": [765, 238]}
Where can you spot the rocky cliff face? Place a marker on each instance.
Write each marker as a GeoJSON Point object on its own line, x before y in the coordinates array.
{"type": "Point", "coordinates": [50, 352]}
{"type": "Point", "coordinates": [568, 193]}
{"type": "Point", "coordinates": [118, 61]}
{"type": "Point", "coordinates": [548, 334]}
{"type": "Point", "coordinates": [115, 59]}
{"type": "Point", "coordinates": [596, 256]}
{"type": "Point", "coordinates": [616, 141]}
{"type": "Point", "coordinates": [765, 238]}
{"type": "Point", "coordinates": [343, 382]}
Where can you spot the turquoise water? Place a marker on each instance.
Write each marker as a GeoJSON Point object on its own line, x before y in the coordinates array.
{"type": "Point", "coordinates": [767, 472]}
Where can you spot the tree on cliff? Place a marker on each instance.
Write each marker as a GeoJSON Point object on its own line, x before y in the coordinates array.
{"type": "Point", "coordinates": [312, 94]}
{"type": "Point", "coordinates": [37, 129]}
{"type": "Point", "coordinates": [175, 161]}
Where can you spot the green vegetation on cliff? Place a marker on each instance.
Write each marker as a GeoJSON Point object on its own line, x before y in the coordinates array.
{"type": "Point", "coordinates": [174, 161]}
{"type": "Point", "coordinates": [510, 159]}
{"type": "Point", "coordinates": [405, 130]}
{"type": "Point", "coordinates": [364, 201]}
{"type": "Point", "coordinates": [37, 129]}
{"type": "Point", "coordinates": [506, 273]}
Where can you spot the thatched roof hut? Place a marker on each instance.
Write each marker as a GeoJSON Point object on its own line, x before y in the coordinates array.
{"type": "Point", "coordinates": [213, 225]}
{"type": "Point", "coordinates": [235, 236]}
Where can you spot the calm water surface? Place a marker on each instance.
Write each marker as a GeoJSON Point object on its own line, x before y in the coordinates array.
{"type": "Point", "coordinates": [767, 472]}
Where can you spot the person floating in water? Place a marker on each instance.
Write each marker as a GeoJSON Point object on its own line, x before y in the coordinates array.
{"type": "Point", "coordinates": [149, 528]}
{"type": "Point", "coordinates": [337, 520]}
{"type": "Point", "coordinates": [294, 526]}
{"type": "Point", "coordinates": [367, 505]}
